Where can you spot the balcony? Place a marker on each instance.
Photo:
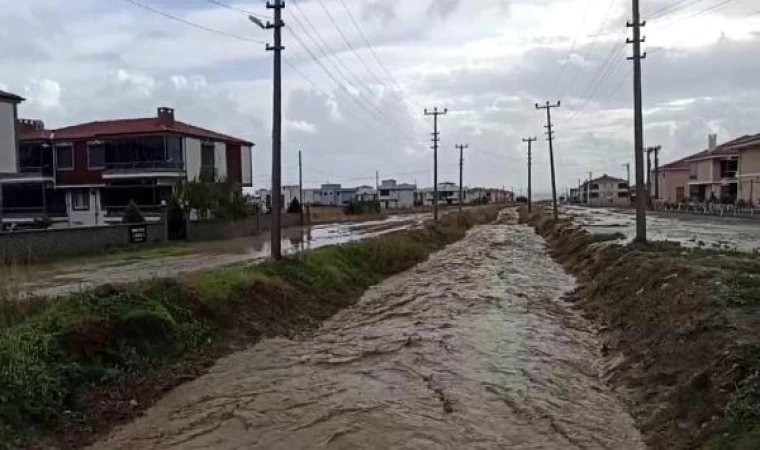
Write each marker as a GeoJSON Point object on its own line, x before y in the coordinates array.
{"type": "Point", "coordinates": [140, 169]}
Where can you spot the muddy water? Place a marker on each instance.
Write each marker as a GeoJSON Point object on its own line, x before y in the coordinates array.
{"type": "Point", "coordinates": [469, 350]}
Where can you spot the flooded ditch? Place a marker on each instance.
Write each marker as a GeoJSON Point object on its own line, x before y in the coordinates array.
{"type": "Point", "coordinates": [471, 349]}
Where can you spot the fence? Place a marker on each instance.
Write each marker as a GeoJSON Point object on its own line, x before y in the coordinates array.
{"type": "Point", "coordinates": [212, 230]}
{"type": "Point", "coordinates": [40, 245]}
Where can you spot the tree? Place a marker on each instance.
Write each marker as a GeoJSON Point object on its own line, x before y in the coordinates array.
{"type": "Point", "coordinates": [133, 214]}
{"type": "Point", "coordinates": [294, 207]}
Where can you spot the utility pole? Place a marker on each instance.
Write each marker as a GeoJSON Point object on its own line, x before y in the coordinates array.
{"type": "Point", "coordinates": [530, 142]}
{"type": "Point", "coordinates": [641, 193]}
{"type": "Point", "coordinates": [461, 148]}
{"type": "Point", "coordinates": [628, 171]}
{"type": "Point", "coordinates": [657, 172]}
{"type": "Point", "coordinates": [649, 170]}
{"type": "Point", "coordinates": [277, 48]}
{"type": "Point", "coordinates": [377, 182]}
{"type": "Point", "coordinates": [436, 138]}
{"type": "Point", "coordinates": [300, 186]}
{"type": "Point", "coordinates": [588, 188]}
{"type": "Point", "coordinates": [550, 138]}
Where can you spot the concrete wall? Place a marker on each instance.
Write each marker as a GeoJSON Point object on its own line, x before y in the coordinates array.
{"type": "Point", "coordinates": [220, 159]}
{"type": "Point", "coordinates": [670, 181]}
{"type": "Point", "coordinates": [90, 217]}
{"type": "Point", "coordinates": [247, 158]}
{"type": "Point", "coordinates": [8, 154]}
{"type": "Point", "coordinates": [213, 230]}
{"type": "Point", "coordinates": [24, 246]}
{"type": "Point", "coordinates": [192, 158]}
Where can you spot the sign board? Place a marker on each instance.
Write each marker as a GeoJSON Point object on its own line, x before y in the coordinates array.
{"type": "Point", "coordinates": [138, 234]}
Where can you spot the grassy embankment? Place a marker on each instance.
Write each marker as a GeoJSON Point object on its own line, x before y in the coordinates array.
{"type": "Point", "coordinates": [681, 329]}
{"type": "Point", "coordinates": [72, 368]}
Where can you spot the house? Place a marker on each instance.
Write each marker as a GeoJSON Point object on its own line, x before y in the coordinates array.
{"type": "Point", "coordinates": [393, 195]}
{"type": "Point", "coordinates": [448, 194]}
{"type": "Point", "coordinates": [748, 175]}
{"type": "Point", "coordinates": [606, 191]}
{"type": "Point", "coordinates": [674, 179]}
{"type": "Point", "coordinates": [366, 194]}
{"type": "Point", "coordinates": [713, 172]}
{"type": "Point", "coordinates": [87, 174]}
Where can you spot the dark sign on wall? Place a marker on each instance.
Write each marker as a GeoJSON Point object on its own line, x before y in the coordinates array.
{"type": "Point", "coordinates": [138, 234]}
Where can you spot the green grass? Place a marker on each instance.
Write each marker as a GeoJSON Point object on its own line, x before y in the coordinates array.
{"type": "Point", "coordinates": [53, 353]}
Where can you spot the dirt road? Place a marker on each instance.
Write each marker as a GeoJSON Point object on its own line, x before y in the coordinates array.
{"type": "Point", "coordinates": [691, 231]}
{"type": "Point", "coordinates": [71, 277]}
{"type": "Point", "coordinates": [471, 349]}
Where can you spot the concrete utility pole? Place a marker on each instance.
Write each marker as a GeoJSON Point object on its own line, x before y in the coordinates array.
{"type": "Point", "coordinates": [550, 138]}
{"type": "Point", "coordinates": [588, 188]}
{"type": "Point", "coordinates": [300, 186]}
{"type": "Point", "coordinates": [277, 48]}
{"type": "Point", "coordinates": [436, 138]}
{"type": "Point", "coordinates": [649, 151]}
{"type": "Point", "coordinates": [641, 192]}
{"type": "Point", "coordinates": [461, 148]}
{"type": "Point", "coordinates": [530, 142]}
{"type": "Point", "coordinates": [657, 172]}
{"type": "Point", "coordinates": [628, 171]}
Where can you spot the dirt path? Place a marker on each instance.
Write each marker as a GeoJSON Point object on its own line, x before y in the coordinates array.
{"type": "Point", "coordinates": [471, 349]}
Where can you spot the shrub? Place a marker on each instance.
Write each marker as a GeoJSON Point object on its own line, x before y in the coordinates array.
{"type": "Point", "coordinates": [133, 214]}
{"type": "Point", "coordinates": [294, 207]}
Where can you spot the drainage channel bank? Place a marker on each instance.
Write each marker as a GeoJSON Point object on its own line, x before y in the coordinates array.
{"type": "Point", "coordinates": [681, 331]}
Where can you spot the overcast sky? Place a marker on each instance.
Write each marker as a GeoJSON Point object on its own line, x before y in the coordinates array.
{"type": "Point", "coordinates": [487, 61]}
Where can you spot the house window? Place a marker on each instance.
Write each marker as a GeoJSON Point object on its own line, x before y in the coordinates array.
{"type": "Point", "coordinates": [680, 193]}
{"type": "Point", "coordinates": [174, 151]}
{"type": "Point", "coordinates": [385, 192]}
{"type": "Point", "coordinates": [96, 156]}
{"type": "Point", "coordinates": [594, 195]}
{"type": "Point", "coordinates": [622, 185]}
{"type": "Point", "coordinates": [64, 156]}
{"type": "Point", "coordinates": [693, 171]}
{"type": "Point", "coordinates": [207, 154]}
{"type": "Point", "coordinates": [622, 195]}
{"type": "Point", "coordinates": [594, 187]}
{"type": "Point", "coordinates": [80, 199]}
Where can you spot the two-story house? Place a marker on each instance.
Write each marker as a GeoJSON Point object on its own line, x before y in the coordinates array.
{"type": "Point", "coordinates": [393, 195]}
{"type": "Point", "coordinates": [87, 174]}
{"type": "Point", "coordinates": [606, 191]}
{"type": "Point", "coordinates": [713, 173]}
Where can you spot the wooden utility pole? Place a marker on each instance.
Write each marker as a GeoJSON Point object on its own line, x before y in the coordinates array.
{"type": "Point", "coordinates": [300, 187]}
{"type": "Point", "coordinates": [436, 139]}
{"type": "Point", "coordinates": [461, 148]}
{"type": "Point", "coordinates": [530, 142]}
{"type": "Point", "coordinates": [641, 192]}
{"type": "Point", "coordinates": [550, 138]}
{"type": "Point", "coordinates": [277, 48]}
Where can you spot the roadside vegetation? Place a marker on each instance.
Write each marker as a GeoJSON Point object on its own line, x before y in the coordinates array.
{"type": "Point", "coordinates": [681, 331]}
{"type": "Point", "coordinates": [72, 368]}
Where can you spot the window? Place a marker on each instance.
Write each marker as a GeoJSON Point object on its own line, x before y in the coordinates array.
{"type": "Point", "coordinates": [594, 195]}
{"type": "Point", "coordinates": [96, 156]}
{"type": "Point", "coordinates": [622, 194]}
{"type": "Point", "coordinates": [693, 171]}
{"type": "Point", "coordinates": [207, 154]}
{"type": "Point", "coordinates": [80, 199]}
{"type": "Point", "coordinates": [174, 151]}
{"type": "Point", "coordinates": [594, 187]}
{"type": "Point", "coordinates": [64, 156]}
{"type": "Point", "coordinates": [385, 192]}
{"type": "Point", "coordinates": [622, 185]}
{"type": "Point", "coordinates": [680, 193]}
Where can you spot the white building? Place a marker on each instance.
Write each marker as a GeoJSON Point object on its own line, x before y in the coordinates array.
{"type": "Point", "coordinates": [448, 194]}
{"type": "Point", "coordinates": [366, 194]}
{"type": "Point", "coordinates": [396, 196]}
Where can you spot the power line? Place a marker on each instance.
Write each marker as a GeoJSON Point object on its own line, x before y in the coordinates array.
{"type": "Point", "coordinates": [233, 8]}
{"type": "Point", "coordinates": [372, 49]}
{"type": "Point", "coordinates": [558, 80]}
{"type": "Point", "coordinates": [193, 24]}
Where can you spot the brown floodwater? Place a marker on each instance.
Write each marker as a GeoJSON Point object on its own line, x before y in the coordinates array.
{"type": "Point", "coordinates": [473, 349]}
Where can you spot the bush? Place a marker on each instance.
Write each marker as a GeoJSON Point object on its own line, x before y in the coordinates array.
{"type": "Point", "coordinates": [294, 207]}
{"type": "Point", "coordinates": [133, 214]}
{"type": "Point", "coordinates": [362, 207]}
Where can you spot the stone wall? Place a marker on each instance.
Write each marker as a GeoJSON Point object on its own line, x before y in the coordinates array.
{"type": "Point", "coordinates": [40, 245]}
{"type": "Point", "coordinates": [212, 230]}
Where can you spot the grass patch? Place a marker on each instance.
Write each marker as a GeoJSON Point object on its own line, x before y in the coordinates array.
{"type": "Point", "coordinates": [76, 354]}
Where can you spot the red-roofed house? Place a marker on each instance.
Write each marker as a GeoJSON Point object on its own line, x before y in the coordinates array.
{"type": "Point", "coordinates": [86, 174]}
{"type": "Point", "coordinates": [674, 179]}
{"type": "Point", "coordinates": [713, 173]}
{"type": "Point", "coordinates": [748, 148]}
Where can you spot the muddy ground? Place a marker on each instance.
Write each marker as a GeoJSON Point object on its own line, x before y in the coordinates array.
{"type": "Point", "coordinates": [474, 348]}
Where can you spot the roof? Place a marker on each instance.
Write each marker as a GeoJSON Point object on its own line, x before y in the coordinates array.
{"type": "Point", "coordinates": [10, 97]}
{"type": "Point", "coordinates": [682, 164]}
{"type": "Point", "coordinates": [744, 142]}
{"type": "Point", "coordinates": [608, 178]}
{"type": "Point", "coordinates": [95, 130]}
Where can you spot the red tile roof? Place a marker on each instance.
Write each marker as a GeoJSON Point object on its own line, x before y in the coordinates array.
{"type": "Point", "coordinates": [683, 163]}
{"type": "Point", "coordinates": [12, 97]}
{"type": "Point", "coordinates": [744, 142]}
{"type": "Point", "coordinates": [95, 130]}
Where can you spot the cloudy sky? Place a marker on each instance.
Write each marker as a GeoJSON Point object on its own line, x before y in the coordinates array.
{"type": "Point", "coordinates": [354, 96]}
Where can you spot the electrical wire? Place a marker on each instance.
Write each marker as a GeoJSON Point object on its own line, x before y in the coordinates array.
{"type": "Point", "coordinates": [233, 8]}
{"type": "Point", "coordinates": [558, 80]}
{"type": "Point", "coordinates": [193, 24]}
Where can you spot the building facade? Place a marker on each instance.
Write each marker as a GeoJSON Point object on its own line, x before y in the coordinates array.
{"type": "Point", "coordinates": [393, 195]}
{"type": "Point", "coordinates": [606, 191]}
{"type": "Point", "coordinates": [87, 174]}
